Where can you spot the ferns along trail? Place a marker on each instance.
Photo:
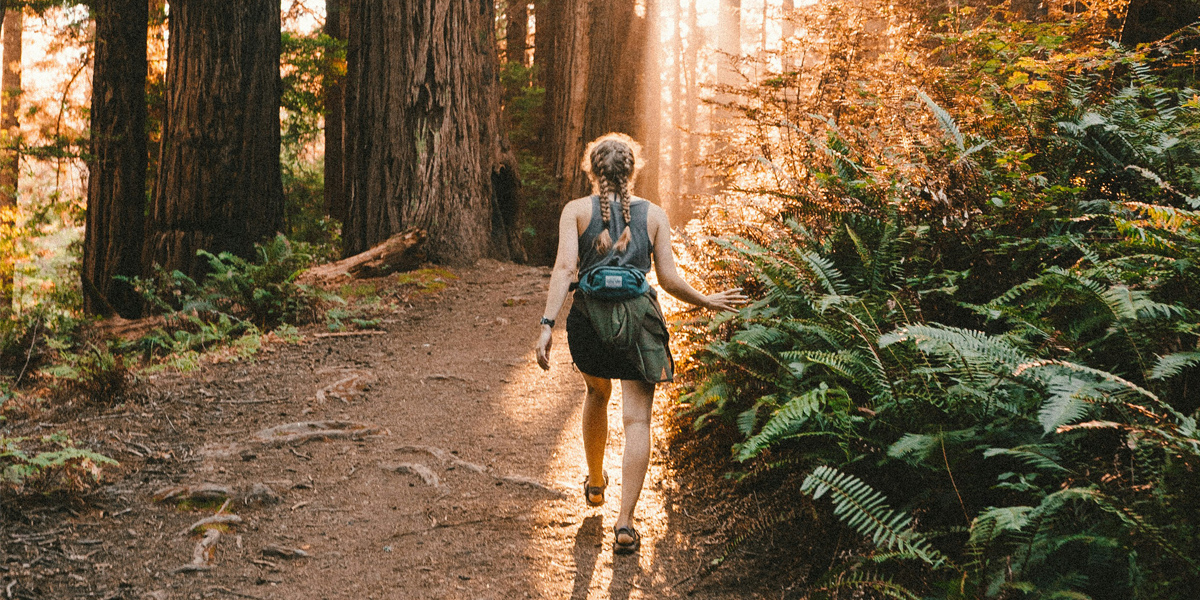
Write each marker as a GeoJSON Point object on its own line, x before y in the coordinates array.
{"type": "Point", "coordinates": [270, 279]}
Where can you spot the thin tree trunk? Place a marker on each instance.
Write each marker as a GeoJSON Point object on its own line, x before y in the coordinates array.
{"type": "Point", "coordinates": [337, 26]}
{"type": "Point", "coordinates": [516, 30]}
{"type": "Point", "coordinates": [218, 186]}
{"type": "Point", "coordinates": [649, 86]}
{"type": "Point", "coordinates": [422, 115]}
{"type": "Point", "coordinates": [117, 173]}
{"type": "Point", "coordinates": [691, 71]}
{"type": "Point", "coordinates": [10, 155]}
{"type": "Point", "coordinates": [675, 83]}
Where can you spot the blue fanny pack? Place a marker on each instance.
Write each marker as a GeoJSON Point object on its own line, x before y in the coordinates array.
{"type": "Point", "coordinates": [613, 283]}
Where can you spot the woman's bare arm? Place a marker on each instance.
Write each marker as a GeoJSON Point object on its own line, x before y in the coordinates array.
{"type": "Point", "coordinates": [668, 273]}
{"type": "Point", "coordinates": [565, 264]}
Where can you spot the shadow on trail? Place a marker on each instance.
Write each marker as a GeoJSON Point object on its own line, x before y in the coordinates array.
{"type": "Point", "coordinates": [626, 571]}
{"type": "Point", "coordinates": [587, 553]}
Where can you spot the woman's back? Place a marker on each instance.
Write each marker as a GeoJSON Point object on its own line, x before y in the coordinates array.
{"type": "Point", "coordinates": [640, 249]}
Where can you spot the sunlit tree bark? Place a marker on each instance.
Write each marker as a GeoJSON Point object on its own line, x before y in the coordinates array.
{"type": "Point", "coordinates": [337, 26]}
{"type": "Point", "coordinates": [674, 168]}
{"type": "Point", "coordinates": [649, 103]}
{"type": "Point", "coordinates": [117, 171]}
{"type": "Point", "coordinates": [10, 103]}
{"type": "Point", "coordinates": [218, 185]}
{"type": "Point", "coordinates": [422, 118]}
{"type": "Point", "coordinates": [691, 71]}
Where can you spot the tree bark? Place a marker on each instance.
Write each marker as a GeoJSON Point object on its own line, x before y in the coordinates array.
{"type": "Point", "coordinates": [1152, 20]}
{"type": "Point", "coordinates": [336, 26]}
{"type": "Point", "coordinates": [674, 168]}
{"type": "Point", "coordinates": [218, 186]}
{"type": "Point", "coordinates": [10, 155]}
{"type": "Point", "coordinates": [516, 30]}
{"type": "Point", "coordinates": [422, 117]}
{"type": "Point", "coordinates": [691, 70]}
{"type": "Point", "coordinates": [648, 85]}
{"type": "Point", "coordinates": [590, 55]}
{"type": "Point", "coordinates": [117, 173]}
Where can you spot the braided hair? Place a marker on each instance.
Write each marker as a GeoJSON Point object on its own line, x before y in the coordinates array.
{"type": "Point", "coordinates": [612, 162]}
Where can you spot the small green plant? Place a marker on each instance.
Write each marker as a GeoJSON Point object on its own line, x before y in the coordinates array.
{"type": "Point", "coordinates": [47, 464]}
{"type": "Point", "coordinates": [261, 294]}
{"type": "Point", "coordinates": [95, 374]}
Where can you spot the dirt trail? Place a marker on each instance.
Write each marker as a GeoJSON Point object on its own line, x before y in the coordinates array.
{"type": "Point", "coordinates": [472, 493]}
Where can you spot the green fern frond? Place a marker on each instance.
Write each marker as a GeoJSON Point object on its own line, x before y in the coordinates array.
{"type": "Point", "coordinates": [992, 523]}
{"type": "Point", "coordinates": [971, 348]}
{"type": "Point", "coordinates": [949, 127]}
{"type": "Point", "coordinates": [789, 419]}
{"type": "Point", "coordinates": [865, 510]}
{"type": "Point", "coordinates": [1173, 364]}
{"type": "Point", "coordinates": [916, 448]}
{"type": "Point", "coordinates": [1068, 401]}
{"type": "Point", "coordinates": [1038, 456]}
{"type": "Point", "coordinates": [827, 274]}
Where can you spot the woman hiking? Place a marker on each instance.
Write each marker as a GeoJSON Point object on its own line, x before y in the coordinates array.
{"type": "Point", "coordinates": [615, 329]}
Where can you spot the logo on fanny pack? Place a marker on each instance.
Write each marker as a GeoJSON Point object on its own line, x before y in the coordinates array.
{"type": "Point", "coordinates": [613, 281]}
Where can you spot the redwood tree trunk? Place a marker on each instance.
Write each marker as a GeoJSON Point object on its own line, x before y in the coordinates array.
{"type": "Point", "coordinates": [515, 31]}
{"type": "Point", "coordinates": [336, 26]}
{"type": "Point", "coordinates": [10, 103]}
{"type": "Point", "coordinates": [590, 55]}
{"type": "Point", "coordinates": [218, 185]}
{"type": "Point", "coordinates": [117, 173]}
{"type": "Point", "coordinates": [422, 118]}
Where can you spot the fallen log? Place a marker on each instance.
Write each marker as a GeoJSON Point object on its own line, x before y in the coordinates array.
{"type": "Point", "coordinates": [401, 252]}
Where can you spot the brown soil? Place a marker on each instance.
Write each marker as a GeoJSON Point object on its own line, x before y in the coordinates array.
{"type": "Point", "coordinates": [471, 490]}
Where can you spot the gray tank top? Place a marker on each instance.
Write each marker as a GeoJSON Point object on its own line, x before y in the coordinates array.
{"type": "Point", "coordinates": [640, 250]}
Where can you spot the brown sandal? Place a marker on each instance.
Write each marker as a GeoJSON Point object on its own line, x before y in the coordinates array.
{"type": "Point", "coordinates": [631, 547]}
{"type": "Point", "coordinates": [594, 490]}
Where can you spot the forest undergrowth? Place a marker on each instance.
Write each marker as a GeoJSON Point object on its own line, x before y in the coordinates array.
{"type": "Point", "coordinates": [971, 369]}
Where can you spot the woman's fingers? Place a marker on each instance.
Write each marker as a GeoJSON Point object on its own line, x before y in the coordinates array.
{"type": "Point", "coordinates": [543, 350]}
{"type": "Point", "coordinates": [728, 299]}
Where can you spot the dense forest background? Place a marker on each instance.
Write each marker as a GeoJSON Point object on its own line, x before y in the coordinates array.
{"type": "Point", "coordinates": [971, 230]}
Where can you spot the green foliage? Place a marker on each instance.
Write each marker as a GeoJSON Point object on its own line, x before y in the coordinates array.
{"type": "Point", "coordinates": [259, 294]}
{"type": "Point", "coordinates": [999, 339]}
{"type": "Point", "coordinates": [236, 300]}
{"type": "Point", "coordinates": [522, 104]}
{"type": "Point", "coordinates": [51, 463]}
{"type": "Point", "coordinates": [307, 61]}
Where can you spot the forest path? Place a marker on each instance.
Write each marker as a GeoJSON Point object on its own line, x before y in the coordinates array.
{"type": "Point", "coordinates": [454, 382]}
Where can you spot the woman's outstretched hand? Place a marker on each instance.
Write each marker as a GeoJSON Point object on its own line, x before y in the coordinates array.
{"type": "Point", "coordinates": [543, 348]}
{"type": "Point", "coordinates": [726, 300]}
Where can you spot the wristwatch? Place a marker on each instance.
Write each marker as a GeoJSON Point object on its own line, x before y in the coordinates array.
{"type": "Point", "coordinates": [546, 321]}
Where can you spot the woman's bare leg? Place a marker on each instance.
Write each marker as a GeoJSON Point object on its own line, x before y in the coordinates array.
{"type": "Point", "coordinates": [637, 401]}
{"type": "Point", "coordinates": [595, 426]}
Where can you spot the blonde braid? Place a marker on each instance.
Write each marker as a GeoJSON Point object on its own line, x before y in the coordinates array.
{"type": "Point", "coordinates": [623, 191]}
{"type": "Point", "coordinates": [604, 240]}
{"type": "Point", "coordinates": [611, 161]}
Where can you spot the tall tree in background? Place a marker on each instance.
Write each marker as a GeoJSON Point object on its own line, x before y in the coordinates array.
{"type": "Point", "coordinates": [218, 186]}
{"type": "Point", "coordinates": [516, 30]}
{"type": "Point", "coordinates": [590, 56]}
{"type": "Point", "coordinates": [117, 172]}
{"type": "Point", "coordinates": [1153, 20]}
{"type": "Point", "coordinates": [337, 26]}
{"type": "Point", "coordinates": [422, 118]}
{"type": "Point", "coordinates": [10, 129]}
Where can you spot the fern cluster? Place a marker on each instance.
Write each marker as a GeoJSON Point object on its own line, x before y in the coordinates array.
{"type": "Point", "coordinates": [1006, 394]}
